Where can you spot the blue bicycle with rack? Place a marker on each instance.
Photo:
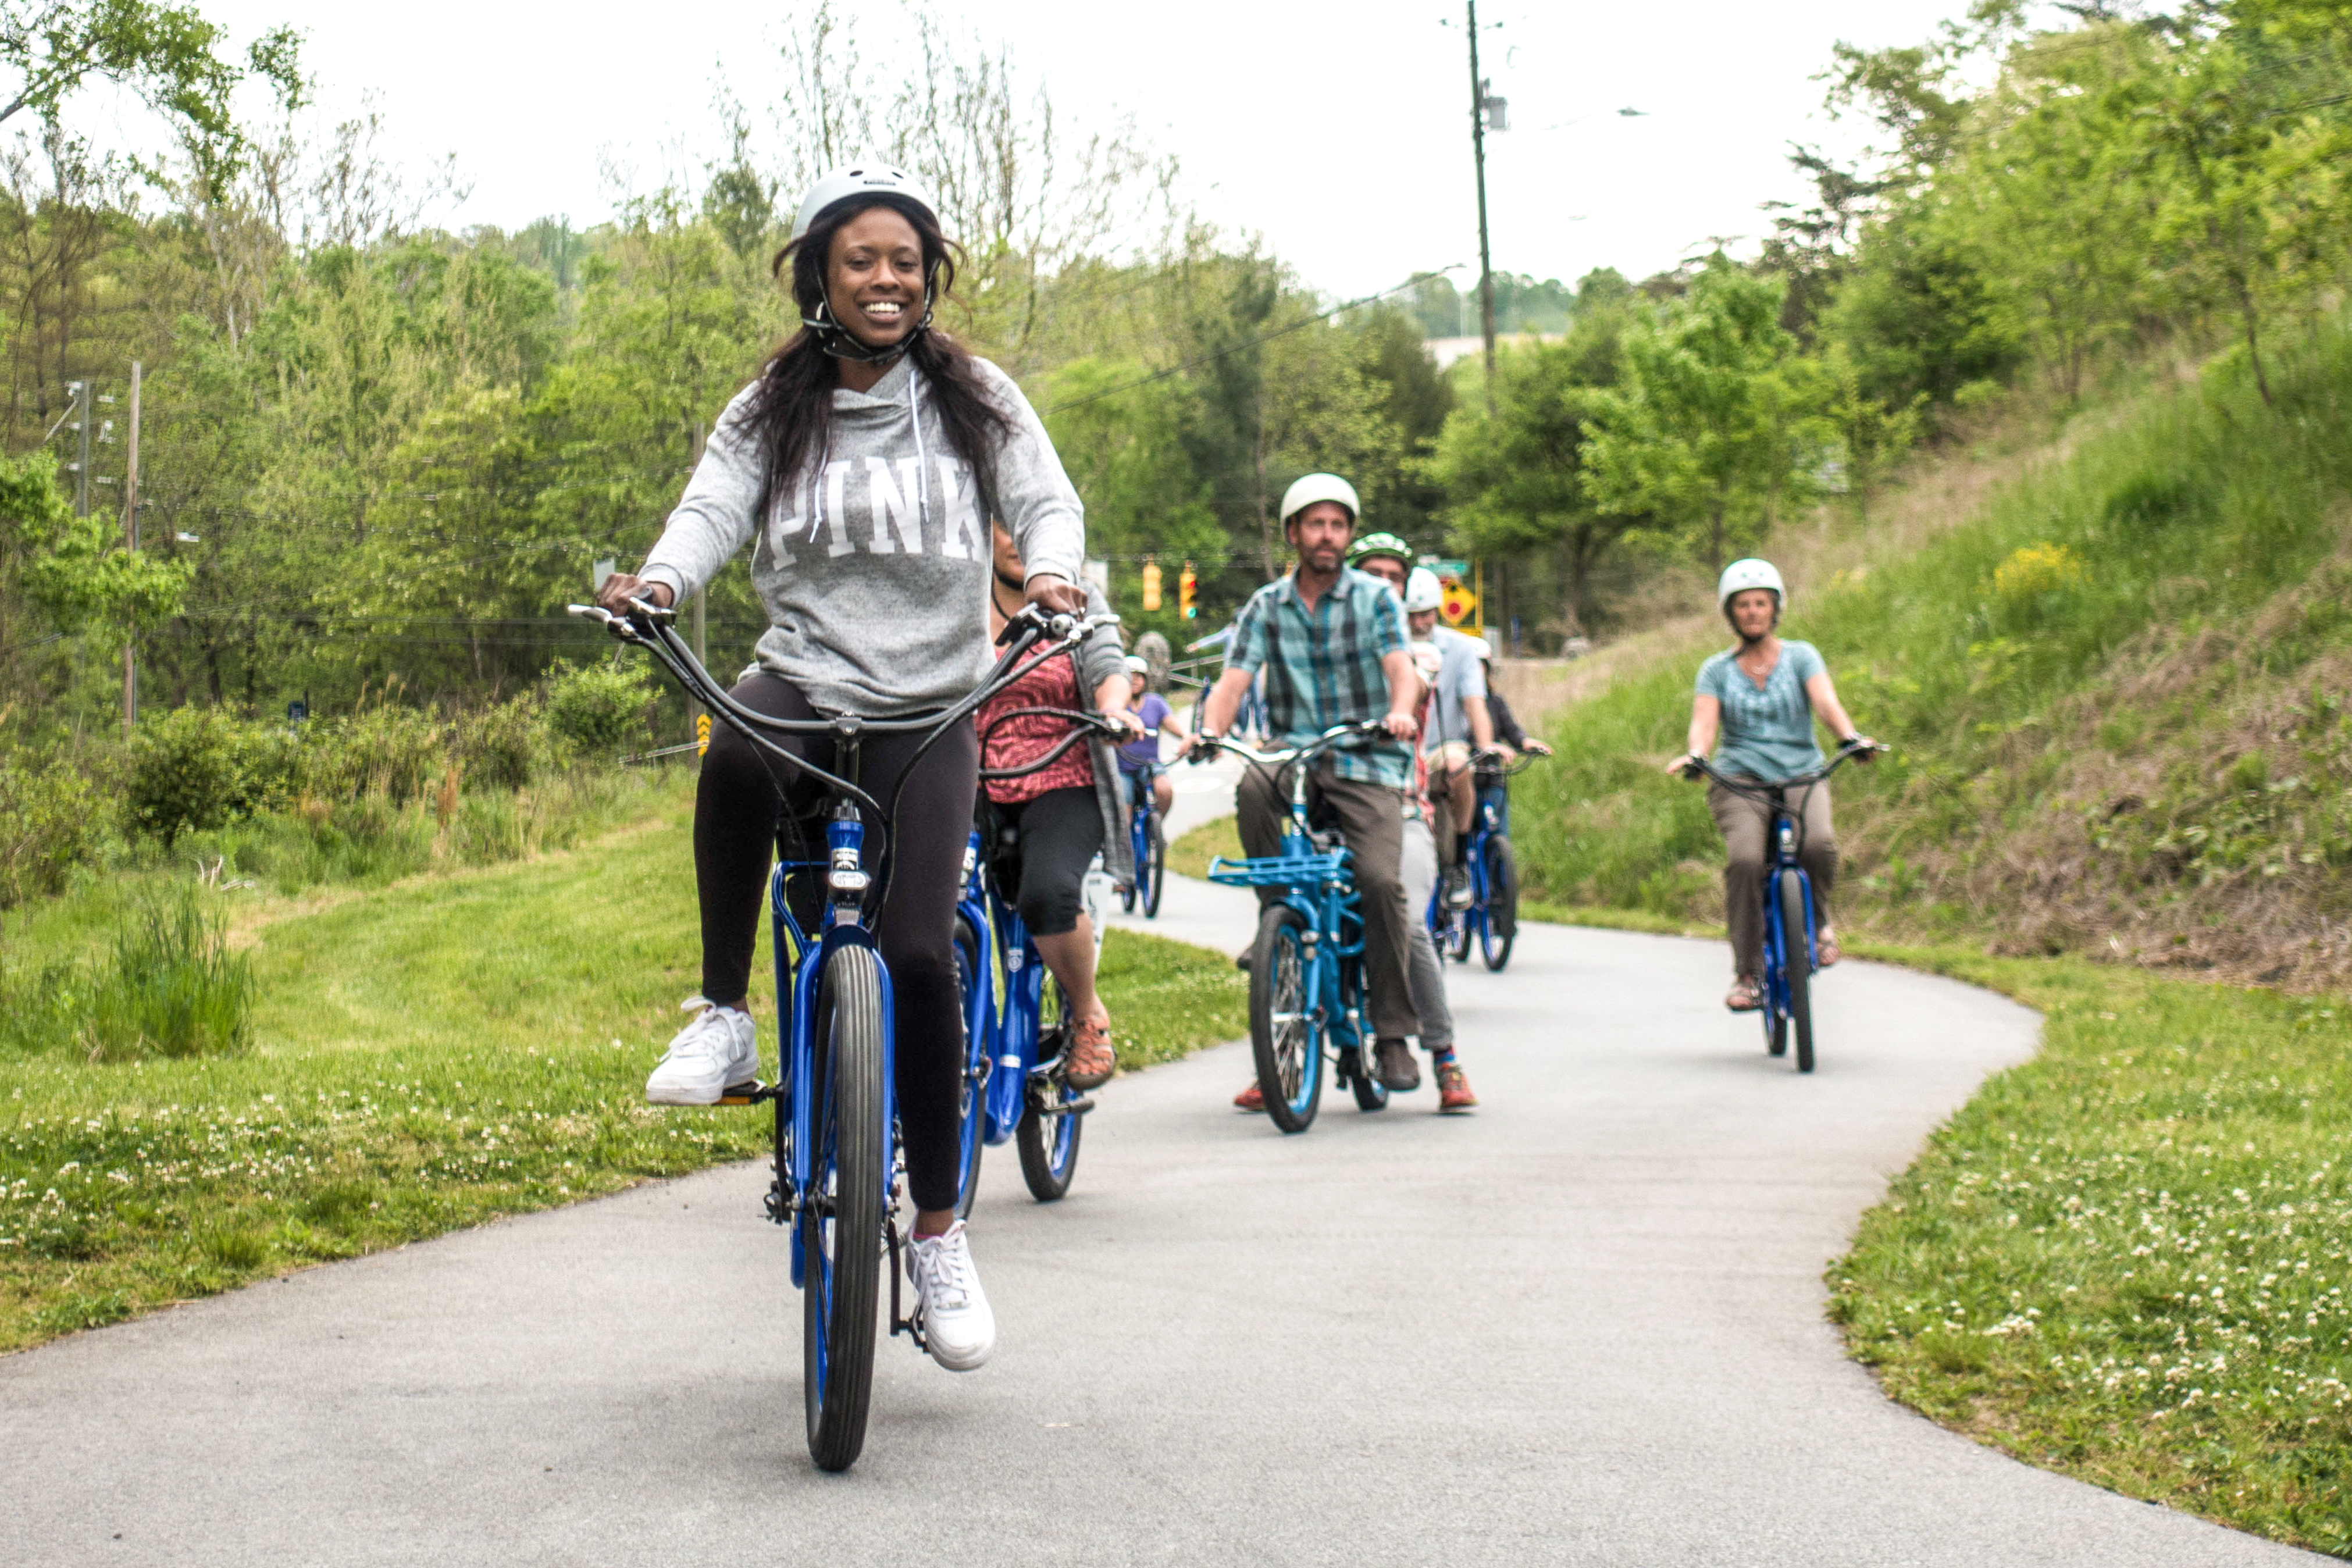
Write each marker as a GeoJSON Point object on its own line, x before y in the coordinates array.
{"type": "Point", "coordinates": [837, 1175]}
{"type": "Point", "coordinates": [1791, 924]}
{"type": "Point", "coordinates": [1016, 1019]}
{"type": "Point", "coordinates": [1491, 918]}
{"type": "Point", "coordinates": [1307, 966]}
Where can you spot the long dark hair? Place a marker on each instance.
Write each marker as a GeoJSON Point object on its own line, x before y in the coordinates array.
{"type": "Point", "coordinates": [790, 414]}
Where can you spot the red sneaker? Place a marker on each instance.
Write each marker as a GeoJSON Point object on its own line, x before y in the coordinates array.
{"type": "Point", "coordinates": [1454, 1089]}
{"type": "Point", "coordinates": [1250, 1099]}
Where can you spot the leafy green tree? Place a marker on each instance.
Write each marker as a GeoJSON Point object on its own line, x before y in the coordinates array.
{"type": "Point", "coordinates": [1707, 433]}
{"type": "Point", "coordinates": [1518, 481]}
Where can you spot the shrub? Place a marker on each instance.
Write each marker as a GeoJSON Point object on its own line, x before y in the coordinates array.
{"type": "Point", "coordinates": [501, 747]}
{"type": "Point", "coordinates": [397, 752]}
{"type": "Point", "coordinates": [50, 823]}
{"type": "Point", "coordinates": [600, 707]}
{"type": "Point", "coordinates": [199, 768]}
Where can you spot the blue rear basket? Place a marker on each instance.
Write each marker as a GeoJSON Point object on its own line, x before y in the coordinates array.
{"type": "Point", "coordinates": [1281, 870]}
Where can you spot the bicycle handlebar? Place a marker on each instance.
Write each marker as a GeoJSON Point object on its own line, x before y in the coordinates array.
{"type": "Point", "coordinates": [1695, 768]}
{"type": "Point", "coordinates": [1335, 735]}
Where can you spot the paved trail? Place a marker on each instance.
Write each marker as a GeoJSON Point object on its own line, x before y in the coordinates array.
{"type": "Point", "coordinates": [1582, 1327]}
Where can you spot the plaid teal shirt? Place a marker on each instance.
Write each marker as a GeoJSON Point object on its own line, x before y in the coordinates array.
{"type": "Point", "coordinates": [1324, 667]}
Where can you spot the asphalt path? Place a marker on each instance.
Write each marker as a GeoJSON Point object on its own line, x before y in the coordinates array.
{"type": "Point", "coordinates": [1583, 1326]}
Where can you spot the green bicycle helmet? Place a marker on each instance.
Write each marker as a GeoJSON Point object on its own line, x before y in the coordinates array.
{"type": "Point", "coordinates": [1373, 544]}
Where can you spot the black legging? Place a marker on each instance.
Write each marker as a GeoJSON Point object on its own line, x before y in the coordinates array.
{"type": "Point", "coordinates": [1059, 833]}
{"type": "Point", "coordinates": [737, 816]}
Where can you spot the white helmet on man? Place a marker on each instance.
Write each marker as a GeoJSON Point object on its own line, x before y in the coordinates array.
{"type": "Point", "coordinates": [1744, 575]}
{"type": "Point", "coordinates": [1422, 591]}
{"type": "Point", "coordinates": [1308, 489]}
{"type": "Point", "coordinates": [871, 178]}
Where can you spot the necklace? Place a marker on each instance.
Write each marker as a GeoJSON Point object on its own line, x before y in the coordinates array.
{"type": "Point", "coordinates": [994, 599]}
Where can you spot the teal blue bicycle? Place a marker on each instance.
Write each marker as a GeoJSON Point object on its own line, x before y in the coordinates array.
{"type": "Point", "coordinates": [1306, 967]}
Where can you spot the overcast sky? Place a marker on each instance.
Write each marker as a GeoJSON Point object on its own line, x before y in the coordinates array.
{"type": "Point", "coordinates": [1337, 130]}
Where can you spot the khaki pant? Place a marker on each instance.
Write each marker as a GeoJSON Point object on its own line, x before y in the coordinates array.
{"type": "Point", "coordinates": [1371, 823]}
{"type": "Point", "coordinates": [1747, 826]}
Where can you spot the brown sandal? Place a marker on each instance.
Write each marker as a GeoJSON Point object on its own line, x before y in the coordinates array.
{"type": "Point", "coordinates": [1088, 1061]}
{"type": "Point", "coordinates": [1745, 996]}
{"type": "Point", "coordinates": [1826, 951]}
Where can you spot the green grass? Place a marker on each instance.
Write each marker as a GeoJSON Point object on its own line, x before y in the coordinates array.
{"type": "Point", "coordinates": [2128, 1258]}
{"type": "Point", "coordinates": [423, 1055]}
{"type": "Point", "coordinates": [1190, 854]}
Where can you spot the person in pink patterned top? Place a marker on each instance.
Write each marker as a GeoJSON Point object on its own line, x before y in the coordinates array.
{"type": "Point", "coordinates": [1066, 813]}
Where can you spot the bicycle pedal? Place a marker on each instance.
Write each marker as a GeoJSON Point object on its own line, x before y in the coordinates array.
{"type": "Point", "coordinates": [750, 1093]}
{"type": "Point", "coordinates": [1078, 1107]}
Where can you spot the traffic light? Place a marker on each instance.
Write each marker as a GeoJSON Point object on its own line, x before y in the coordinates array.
{"type": "Point", "coordinates": [1151, 584]}
{"type": "Point", "coordinates": [1185, 583]}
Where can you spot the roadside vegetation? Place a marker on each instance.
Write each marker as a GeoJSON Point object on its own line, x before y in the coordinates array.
{"type": "Point", "coordinates": [2128, 1258]}
{"type": "Point", "coordinates": [370, 1066]}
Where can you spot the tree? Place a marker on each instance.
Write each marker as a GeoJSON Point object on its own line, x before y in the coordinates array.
{"type": "Point", "coordinates": [1517, 481]}
{"type": "Point", "coordinates": [1710, 431]}
{"type": "Point", "coordinates": [1874, 436]}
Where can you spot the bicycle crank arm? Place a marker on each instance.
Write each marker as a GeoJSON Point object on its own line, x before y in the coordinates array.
{"type": "Point", "coordinates": [1078, 1107]}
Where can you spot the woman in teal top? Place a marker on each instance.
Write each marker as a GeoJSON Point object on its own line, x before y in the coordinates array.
{"type": "Point", "coordinates": [1762, 698]}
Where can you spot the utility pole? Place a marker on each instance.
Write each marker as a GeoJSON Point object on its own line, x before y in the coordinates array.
{"type": "Point", "coordinates": [81, 392]}
{"type": "Point", "coordinates": [131, 542]}
{"type": "Point", "coordinates": [1478, 102]}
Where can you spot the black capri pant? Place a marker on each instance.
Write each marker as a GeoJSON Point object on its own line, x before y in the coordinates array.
{"type": "Point", "coordinates": [740, 808]}
{"type": "Point", "coordinates": [1060, 832]}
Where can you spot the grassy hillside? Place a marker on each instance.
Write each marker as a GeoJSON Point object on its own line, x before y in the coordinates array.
{"type": "Point", "coordinates": [2116, 691]}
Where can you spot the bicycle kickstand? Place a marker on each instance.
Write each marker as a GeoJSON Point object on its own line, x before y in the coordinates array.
{"type": "Point", "coordinates": [910, 1325]}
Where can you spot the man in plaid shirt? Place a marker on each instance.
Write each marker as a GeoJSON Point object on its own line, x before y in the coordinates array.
{"type": "Point", "coordinates": [1331, 640]}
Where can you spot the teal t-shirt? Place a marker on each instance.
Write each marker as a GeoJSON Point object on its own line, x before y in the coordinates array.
{"type": "Point", "coordinates": [1767, 731]}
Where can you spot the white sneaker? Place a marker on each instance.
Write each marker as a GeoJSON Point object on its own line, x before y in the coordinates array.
{"type": "Point", "coordinates": [956, 1324]}
{"type": "Point", "coordinates": [709, 1056]}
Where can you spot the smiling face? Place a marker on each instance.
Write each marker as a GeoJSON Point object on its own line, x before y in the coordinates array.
{"type": "Point", "coordinates": [874, 277]}
{"type": "Point", "coordinates": [1752, 613]}
{"type": "Point", "coordinates": [1320, 534]}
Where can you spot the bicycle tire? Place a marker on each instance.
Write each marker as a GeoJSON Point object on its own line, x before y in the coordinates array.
{"type": "Point", "coordinates": [1285, 1042]}
{"type": "Point", "coordinates": [972, 1095]}
{"type": "Point", "coordinates": [1797, 967]}
{"type": "Point", "coordinates": [1049, 1143]}
{"type": "Point", "coordinates": [1500, 929]}
{"type": "Point", "coordinates": [845, 1245]}
{"type": "Point", "coordinates": [1157, 860]}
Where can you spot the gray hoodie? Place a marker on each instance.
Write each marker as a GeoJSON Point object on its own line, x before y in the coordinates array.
{"type": "Point", "coordinates": [876, 580]}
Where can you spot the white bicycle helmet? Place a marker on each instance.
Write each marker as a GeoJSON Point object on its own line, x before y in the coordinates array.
{"type": "Point", "coordinates": [1744, 575]}
{"type": "Point", "coordinates": [1308, 489]}
{"type": "Point", "coordinates": [1422, 591]}
{"type": "Point", "coordinates": [869, 179]}
{"type": "Point", "coordinates": [1138, 665]}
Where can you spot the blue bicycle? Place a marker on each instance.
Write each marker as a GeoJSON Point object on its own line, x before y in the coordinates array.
{"type": "Point", "coordinates": [1016, 1019]}
{"type": "Point", "coordinates": [836, 1172]}
{"type": "Point", "coordinates": [1790, 927]}
{"type": "Point", "coordinates": [1149, 845]}
{"type": "Point", "coordinates": [1492, 916]}
{"type": "Point", "coordinates": [1307, 966]}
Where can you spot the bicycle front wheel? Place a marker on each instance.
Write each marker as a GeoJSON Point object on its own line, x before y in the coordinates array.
{"type": "Point", "coordinates": [1285, 1038]}
{"type": "Point", "coordinates": [1153, 872]}
{"type": "Point", "coordinates": [1501, 926]}
{"type": "Point", "coordinates": [1048, 1134]}
{"type": "Point", "coordinates": [1797, 967]}
{"type": "Point", "coordinates": [842, 1213]}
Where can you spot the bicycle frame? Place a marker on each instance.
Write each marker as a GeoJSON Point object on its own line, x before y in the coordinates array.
{"type": "Point", "coordinates": [1318, 881]}
{"type": "Point", "coordinates": [1001, 1014]}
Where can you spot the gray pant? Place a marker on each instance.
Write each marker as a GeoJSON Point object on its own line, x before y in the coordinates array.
{"type": "Point", "coordinates": [1424, 968]}
{"type": "Point", "coordinates": [1747, 824]}
{"type": "Point", "coordinates": [1371, 823]}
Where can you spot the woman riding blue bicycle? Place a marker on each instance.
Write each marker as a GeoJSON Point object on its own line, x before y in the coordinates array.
{"type": "Point", "coordinates": [1762, 698]}
{"type": "Point", "coordinates": [861, 467]}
